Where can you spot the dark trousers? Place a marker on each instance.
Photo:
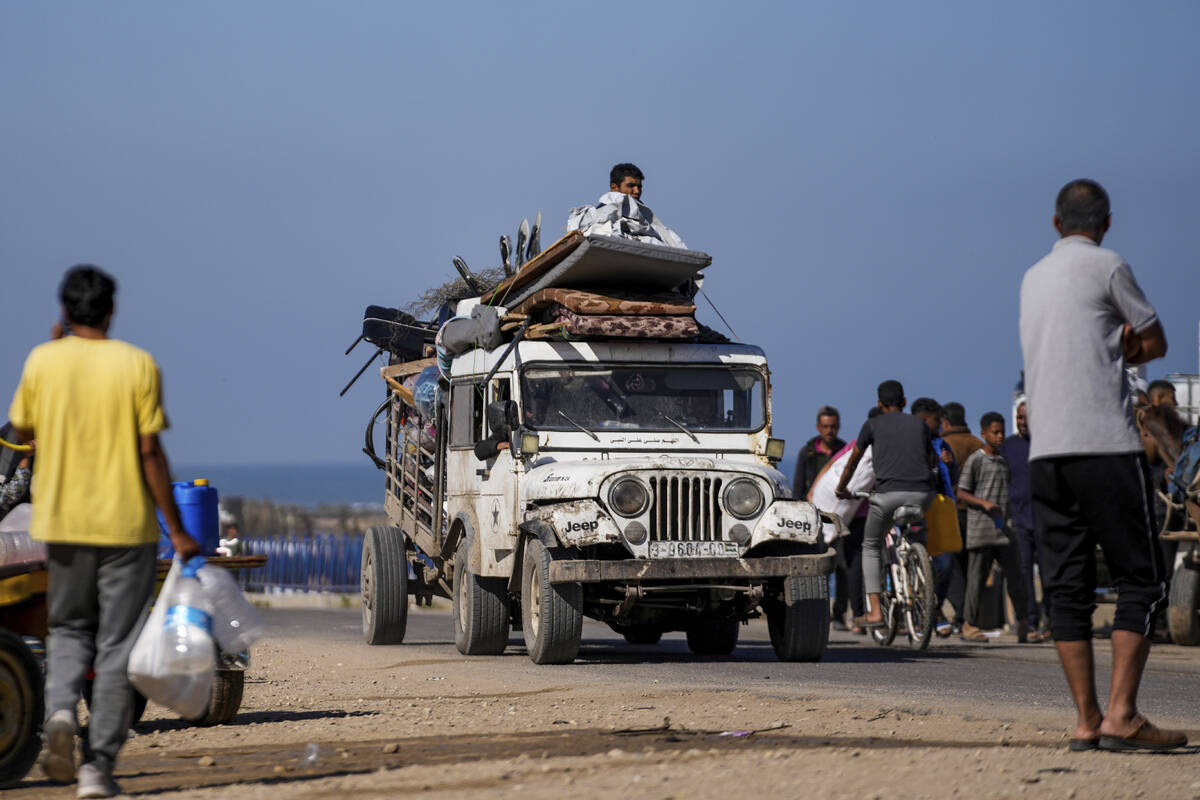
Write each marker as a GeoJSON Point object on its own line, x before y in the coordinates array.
{"type": "Point", "coordinates": [1027, 544]}
{"type": "Point", "coordinates": [1080, 502]}
{"type": "Point", "coordinates": [979, 567]}
{"type": "Point", "coordinates": [97, 601]}
{"type": "Point", "coordinates": [851, 545]}
{"type": "Point", "coordinates": [956, 580]}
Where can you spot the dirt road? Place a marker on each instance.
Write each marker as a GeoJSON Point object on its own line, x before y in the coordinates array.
{"type": "Point", "coordinates": [327, 716]}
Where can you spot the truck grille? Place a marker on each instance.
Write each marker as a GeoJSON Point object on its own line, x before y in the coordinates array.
{"type": "Point", "coordinates": [686, 509]}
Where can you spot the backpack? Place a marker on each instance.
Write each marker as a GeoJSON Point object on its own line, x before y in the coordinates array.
{"type": "Point", "coordinates": [1186, 466]}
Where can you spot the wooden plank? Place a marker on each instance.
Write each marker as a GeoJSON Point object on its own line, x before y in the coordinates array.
{"type": "Point", "coordinates": [402, 391]}
{"type": "Point", "coordinates": [534, 269]}
{"type": "Point", "coordinates": [546, 330]}
{"type": "Point", "coordinates": [406, 368]}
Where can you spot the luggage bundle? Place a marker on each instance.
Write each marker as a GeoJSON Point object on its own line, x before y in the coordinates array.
{"type": "Point", "coordinates": [594, 286]}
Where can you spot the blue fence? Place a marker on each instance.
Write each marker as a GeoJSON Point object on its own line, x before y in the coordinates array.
{"type": "Point", "coordinates": [319, 563]}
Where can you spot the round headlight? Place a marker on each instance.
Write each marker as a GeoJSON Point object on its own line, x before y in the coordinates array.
{"type": "Point", "coordinates": [743, 498]}
{"type": "Point", "coordinates": [628, 497]}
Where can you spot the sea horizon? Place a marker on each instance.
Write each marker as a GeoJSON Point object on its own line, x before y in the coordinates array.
{"type": "Point", "coordinates": [308, 484]}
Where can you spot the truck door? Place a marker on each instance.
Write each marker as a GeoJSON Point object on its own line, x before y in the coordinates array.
{"type": "Point", "coordinates": [486, 487]}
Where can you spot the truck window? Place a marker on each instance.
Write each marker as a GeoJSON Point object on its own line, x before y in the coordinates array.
{"type": "Point", "coordinates": [466, 414]}
{"type": "Point", "coordinates": [646, 397]}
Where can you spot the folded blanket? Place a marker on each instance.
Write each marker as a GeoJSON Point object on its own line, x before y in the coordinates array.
{"type": "Point", "coordinates": [619, 303]}
{"type": "Point", "coordinates": [626, 326]}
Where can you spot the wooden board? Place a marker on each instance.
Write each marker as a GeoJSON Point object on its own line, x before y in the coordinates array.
{"type": "Point", "coordinates": [406, 368]}
{"type": "Point", "coordinates": [534, 269]}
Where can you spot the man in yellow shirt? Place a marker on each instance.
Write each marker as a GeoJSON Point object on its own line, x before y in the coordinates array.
{"type": "Point", "coordinates": [95, 406]}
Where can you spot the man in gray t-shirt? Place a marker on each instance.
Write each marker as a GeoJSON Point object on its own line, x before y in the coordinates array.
{"type": "Point", "coordinates": [1083, 318]}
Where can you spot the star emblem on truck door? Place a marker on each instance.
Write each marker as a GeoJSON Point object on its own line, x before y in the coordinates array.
{"type": "Point", "coordinates": [495, 512]}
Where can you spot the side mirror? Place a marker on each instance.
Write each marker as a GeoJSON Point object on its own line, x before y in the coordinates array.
{"type": "Point", "coordinates": [502, 418]}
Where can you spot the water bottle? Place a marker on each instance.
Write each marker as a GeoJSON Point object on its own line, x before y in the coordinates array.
{"type": "Point", "coordinates": [236, 624]}
{"type": "Point", "coordinates": [189, 625]}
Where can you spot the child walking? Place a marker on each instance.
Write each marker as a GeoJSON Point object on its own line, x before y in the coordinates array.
{"type": "Point", "coordinates": [983, 487]}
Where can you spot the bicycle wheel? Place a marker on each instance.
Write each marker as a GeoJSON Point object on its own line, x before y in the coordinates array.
{"type": "Point", "coordinates": [920, 613]}
{"type": "Point", "coordinates": [886, 633]}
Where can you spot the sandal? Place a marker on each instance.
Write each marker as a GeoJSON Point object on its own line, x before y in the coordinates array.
{"type": "Point", "coordinates": [1083, 745]}
{"type": "Point", "coordinates": [1148, 736]}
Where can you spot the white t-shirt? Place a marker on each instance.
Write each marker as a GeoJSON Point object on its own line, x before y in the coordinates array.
{"type": "Point", "coordinates": [823, 491]}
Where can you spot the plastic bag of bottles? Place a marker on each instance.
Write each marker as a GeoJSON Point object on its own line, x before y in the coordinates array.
{"type": "Point", "coordinates": [236, 624]}
{"type": "Point", "coordinates": [174, 657]}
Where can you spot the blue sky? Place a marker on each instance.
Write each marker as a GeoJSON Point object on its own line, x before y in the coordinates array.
{"type": "Point", "coordinates": [871, 179]}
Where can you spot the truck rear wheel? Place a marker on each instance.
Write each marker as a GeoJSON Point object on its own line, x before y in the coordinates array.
{"type": "Point", "coordinates": [551, 613]}
{"type": "Point", "coordinates": [713, 637]}
{"type": "Point", "coordinates": [799, 621]}
{"type": "Point", "coordinates": [383, 580]}
{"type": "Point", "coordinates": [640, 634]}
{"type": "Point", "coordinates": [1183, 613]}
{"type": "Point", "coordinates": [480, 609]}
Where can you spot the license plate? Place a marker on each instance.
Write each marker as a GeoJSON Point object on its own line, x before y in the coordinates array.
{"type": "Point", "coordinates": [693, 550]}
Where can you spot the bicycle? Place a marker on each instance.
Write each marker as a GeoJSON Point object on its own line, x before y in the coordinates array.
{"type": "Point", "coordinates": [907, 583]}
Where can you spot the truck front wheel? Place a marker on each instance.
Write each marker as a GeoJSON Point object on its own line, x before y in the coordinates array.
{"type": "Point", "coordinates": [798, 621]}
{"type": "Point", "coordinates": [551, 613]}
{"type": "Point", "coordinates": [480, 609]}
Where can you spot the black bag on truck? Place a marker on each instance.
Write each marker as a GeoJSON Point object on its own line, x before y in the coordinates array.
{"type": "Point", "coordinates": [397, 332]}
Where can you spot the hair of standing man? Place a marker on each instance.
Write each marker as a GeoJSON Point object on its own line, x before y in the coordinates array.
{"type": "Point", "coordinates": [624, 170]}
{"type": "Point", "coordinates": [891, 394]}
{"type": "Point", "coordinates": [86, 294]}
{"type": "Point", "coordinates": [828, 411]}
{"type": "Point", "coordinates": [990, 418]}
{"type": "Point", "coordinates": [955, 414]}
{"type": "Point", "coordinates": [926, 405]}
{"type": "Point", "coordinates": [1082, 207]}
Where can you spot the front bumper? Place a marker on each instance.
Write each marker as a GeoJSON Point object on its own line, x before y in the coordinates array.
{"type": "Point", "coordinates": [634, 570]}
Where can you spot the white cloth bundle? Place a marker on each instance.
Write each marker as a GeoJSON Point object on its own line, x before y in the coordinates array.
{"type": "Point", "coordinates": [625, 217]}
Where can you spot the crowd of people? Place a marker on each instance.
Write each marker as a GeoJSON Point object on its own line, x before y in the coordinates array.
{"type": "Point", "coordinates": [986, 475]}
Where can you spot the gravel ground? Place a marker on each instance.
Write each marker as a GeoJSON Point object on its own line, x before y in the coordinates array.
{"type": "Point", "coordinates": [325, 715]}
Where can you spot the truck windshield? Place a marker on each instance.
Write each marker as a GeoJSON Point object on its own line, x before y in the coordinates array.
{"type": "Point", "coordinates": [650, 397]}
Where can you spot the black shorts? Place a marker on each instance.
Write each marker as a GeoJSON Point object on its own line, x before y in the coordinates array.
{"type": "Point", "coordinates": [1083, 501]}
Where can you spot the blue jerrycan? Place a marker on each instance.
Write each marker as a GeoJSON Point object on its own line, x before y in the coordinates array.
{"type": "Point", "coordinates": [197, 503]}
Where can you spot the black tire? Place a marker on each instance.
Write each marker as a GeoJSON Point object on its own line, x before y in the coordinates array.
{"type": "Point", "coordinates": [885, 634]}
{"type": "Point", "coordinates": [226, 698]}
{"type": "Point", "coordinates": [799, 620]}
{"type": "Point", "coordinates": [383, 581]}
{"type": "Point", "coordinates": [921, 614]}
{"type": "Point", "coordinates": [1183, 611]}
{"type": "Point", "coordinates": [641, 634]}
{"type": "Point", "coordinates": [713, 637]}
{"type": "Point", "coordinates": [480, 608]}
{"type": "Point", "coordinates": [21, 709]}
{"type": "Point", "coordinates": [551, 613]}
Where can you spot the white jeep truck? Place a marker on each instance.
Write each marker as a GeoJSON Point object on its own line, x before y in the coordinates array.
{"type": "Point", "coordinates": [632, 482]}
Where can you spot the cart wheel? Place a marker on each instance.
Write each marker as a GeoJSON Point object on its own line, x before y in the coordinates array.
{"type": "Point", "coordinates": [21, 709]}
{"type": "Point", "coordinates": [384, 584]}
{"type": "Point", "coordinates": [1183, 613]}
{"type": "Point", "coordinates": [226, 697]}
